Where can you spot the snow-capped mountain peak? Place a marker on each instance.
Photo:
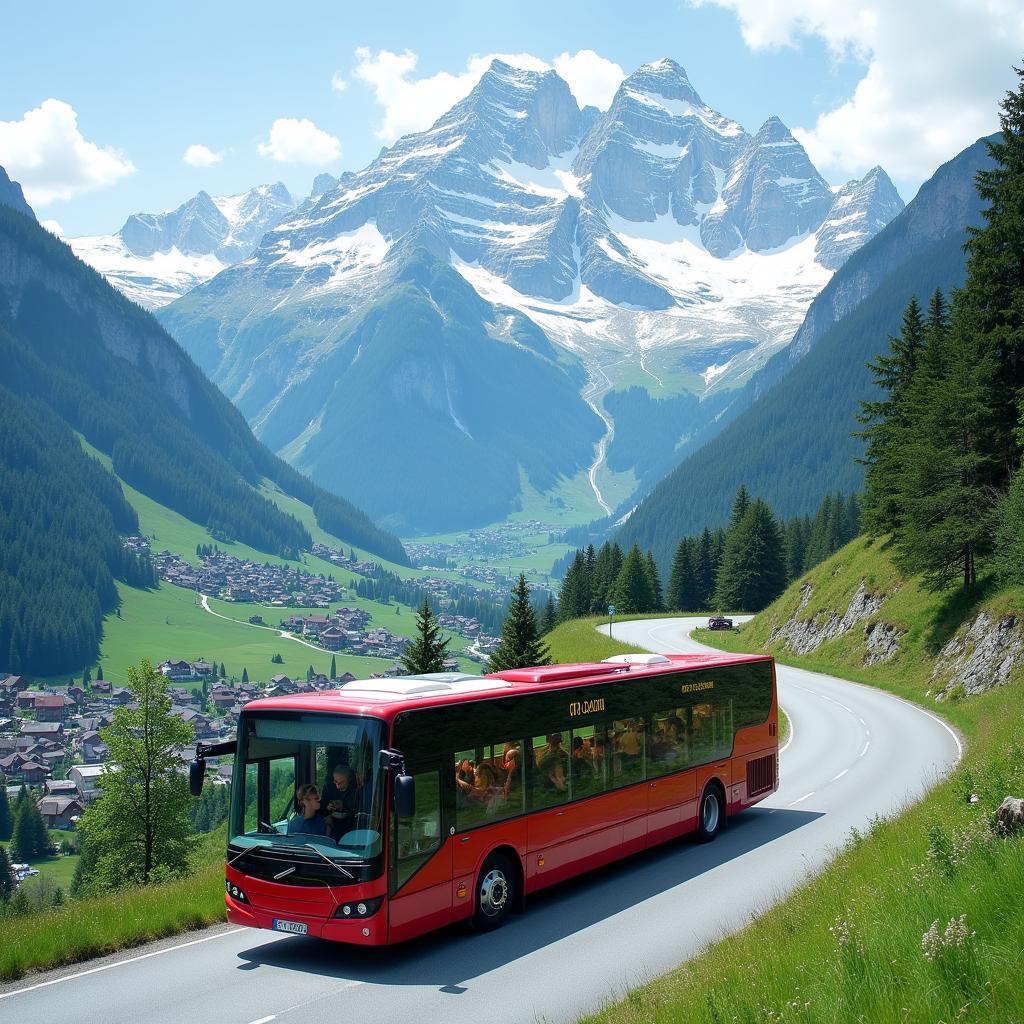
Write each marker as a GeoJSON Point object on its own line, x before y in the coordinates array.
{"type": "Point", "coordinates": [155, 258]}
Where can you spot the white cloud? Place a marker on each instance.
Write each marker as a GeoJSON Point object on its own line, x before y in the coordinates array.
{"type": "Point", "coordinates": [413, 104]}
{"type": "Point", "coordinates": [53, 227]}
{"type": "Point", "coordinates": [934, 73]}
{"type": "Point", "coordinates": [47, 153]}
{"type": "Point", "coordinates": [592, 78]}
{"type": "Point", "coordinates": [198, 155]}
{"type": "Point", "coordinates": [338, 82]}
{"type": "Point", "coordinates": [299, 141]}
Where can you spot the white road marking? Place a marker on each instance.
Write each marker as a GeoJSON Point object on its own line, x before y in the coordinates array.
{"type": "Point", "coordinates": [789, 738]}
{"type": "Point", "coordinates": [806, 796]}
{"type": "Point", "coordinates": [836, 778]}
{"type": "Point", "coordinates": [867, 743]}
{"type": "Point", "coordinates": [118, 963]}
{"type": "Point", "coordinates": [264, 1020]}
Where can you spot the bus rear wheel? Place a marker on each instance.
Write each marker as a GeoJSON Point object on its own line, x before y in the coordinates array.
{"type": "Point", "coordinates": [495, 892]}
{"type": "Point", "coordinates": [711, 814]}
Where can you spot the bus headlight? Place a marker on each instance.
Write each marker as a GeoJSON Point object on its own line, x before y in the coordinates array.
{"type": "Point", "coordinates": [364, 908]}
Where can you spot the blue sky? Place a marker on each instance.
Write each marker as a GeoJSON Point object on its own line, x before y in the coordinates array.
{"type": "Point", "coordinates": [144, 83]}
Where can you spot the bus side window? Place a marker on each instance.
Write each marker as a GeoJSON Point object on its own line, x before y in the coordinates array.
{"type": "Point", "coordinates": [667, 744]}
{"type": "Point", "coordinates": [550, 778]}
{"type": "Point", "coordinates": [587, 763]}
{"type": "Point", "coordinates": [488, 785]}
{"type": "Point", "coordinates": [628, 750]}
{"type": "Point", "coordinates": [420, 835]}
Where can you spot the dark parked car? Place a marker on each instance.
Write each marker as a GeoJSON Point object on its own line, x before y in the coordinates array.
{"type": "Point", "coordinates": [719, 622]}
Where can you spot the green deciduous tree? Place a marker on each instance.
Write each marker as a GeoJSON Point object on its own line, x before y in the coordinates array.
{"type": "Point", "coordinates": [427, 651]}
{"type": "Point", "coordinates": [521, 645]}
{"type": "Point", "coordinates": [138, 830]}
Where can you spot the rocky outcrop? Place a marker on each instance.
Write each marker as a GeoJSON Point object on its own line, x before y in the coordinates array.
{"type": "Point", "coordinates": [805, 635]}
{"type": "Point", "coordinates": [980, 657]}
{"type": "Point", "coordinates": [1010, 815]}
{"type": "Point", "coordinates": [883, 642]}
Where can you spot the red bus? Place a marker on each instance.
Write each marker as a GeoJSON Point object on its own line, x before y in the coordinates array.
{"type": "Point", "coordinates": [454, 797]}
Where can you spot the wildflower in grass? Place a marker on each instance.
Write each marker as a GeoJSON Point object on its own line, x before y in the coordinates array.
{"type": "Point", "coordinates": [935, 944]}
{"type": "Point", "coordinates": [846, 936]}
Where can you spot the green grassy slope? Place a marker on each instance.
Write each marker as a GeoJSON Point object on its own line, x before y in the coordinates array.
{"type": "Point", "coordinates": [870, 939]}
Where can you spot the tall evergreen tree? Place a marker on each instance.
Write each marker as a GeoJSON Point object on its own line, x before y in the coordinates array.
{"type": "Point", "coordinates": [705, 570]}
{"type": "Point", "coordinates": [574, 595]}
{"type": "Point", "coordinates": [632, 594]}
{"type": "Point", "coordinates": [521, 645]}
{"type": "Point", "coordinates": [796, 543]}
{"type": "Point", "coordinates": [549, 617]}
{"type": "Point", "coordinates": [606, 572]}
{"type": "Point", "coordinates": [245, 674]}
{"type": "Point", "coordinates": [427, 651]}
{"type": "Point", "coordinates": [29, 840]}
{"type": "Point", "coordinates": [885, 419]}
{"type": "Point", "coordinates": [753, 571]}
{"type": "Point", "coordinates": [654, 582]}
{"type": "Point", "coordinates": [1009, 538]}
{"type": "Point", "coordinates": [682, 594]}
{"type": "Point", "coordinates": [334, 667]}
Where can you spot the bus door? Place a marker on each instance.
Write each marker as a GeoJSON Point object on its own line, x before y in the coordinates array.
{"type": "Point", "coordinates": [420, 875]}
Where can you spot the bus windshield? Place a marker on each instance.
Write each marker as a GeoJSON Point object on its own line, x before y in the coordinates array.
{"type": "Point", "coordinates": [281, 755]}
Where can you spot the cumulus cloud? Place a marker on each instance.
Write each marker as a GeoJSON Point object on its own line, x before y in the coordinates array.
{"type": "Point", "coordinates": [198, 155]}
{"type": "Point", "coordinates": [53, 227]}
{"type": "Point", "coordinates": [592, 78]}
{"type": "Point", "coordinates": [934, 72]}
{"type": "Point", "coordinates": [338, 82]}
{"type": "Point", "coordinates": [299, 141]}
{"type": "Point", "coordinates": [48, 154]}
{"type": "Point", "coordinates": [412, 104]}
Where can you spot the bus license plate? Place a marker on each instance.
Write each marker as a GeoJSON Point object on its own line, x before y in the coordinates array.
{"type": "Point", "coordinates": [295, 927]}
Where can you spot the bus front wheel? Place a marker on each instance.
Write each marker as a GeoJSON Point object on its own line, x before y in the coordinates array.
{"type": "Point", "coordinates": [711, 814]}
{"type": "Point", "coordinates": [495, 892]}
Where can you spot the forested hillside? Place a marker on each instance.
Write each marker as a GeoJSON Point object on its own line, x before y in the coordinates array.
{"type": "Point", "coordinates": [795, 442]}
{"type": "Point", "coordinates": [78, 357]}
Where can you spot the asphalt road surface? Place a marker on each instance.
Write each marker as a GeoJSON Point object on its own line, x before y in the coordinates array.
{"type": "Point", "coordinates": [854, 753]}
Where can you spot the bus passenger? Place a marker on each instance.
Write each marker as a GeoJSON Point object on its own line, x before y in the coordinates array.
{"type": "Point", "coordinates": [308, 822]}
{"type": "Point", "coordinates": [552, 764]}
{"type": "Point", "coordinates": [484, 791]}
{"type": "Point", "coordinates": [511, 766]}
{"type": "Point", "coordinates": [582, 763]}
{"type": "Point", "coordinates": [338, 800]}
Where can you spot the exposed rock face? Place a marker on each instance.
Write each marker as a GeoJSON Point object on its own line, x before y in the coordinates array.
{"type": "Point", "coordinates": [982, 657]}
{"type": "Point", "coordinates": [883, 642]}
{"type": "Point", "coordinates": [11, 195]}
{"type": "Point", "coordinates": [804, 636]}
{"type": "Point", "coordinates": [1010, 815]}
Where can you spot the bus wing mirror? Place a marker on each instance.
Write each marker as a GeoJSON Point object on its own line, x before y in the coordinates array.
{"type": "Point", "coordinates": [405, 796]}
{"type": "Point", "coordinates": [196, 776]}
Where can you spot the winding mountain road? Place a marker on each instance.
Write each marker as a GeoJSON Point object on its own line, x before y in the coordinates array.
{"type": "Point", "coordinates": [853, 753]}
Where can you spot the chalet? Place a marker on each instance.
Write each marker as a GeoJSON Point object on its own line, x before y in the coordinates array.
{"type": "Point", "coordinates": [52, 758]}
{"type": "Point", "coordinates": [201, 725]}
{"type": "Point", "coordinates": [25, 701]}
{"type": "Point", "coordinates": [77, 694]}
{"type": "Point", "coordinates": [202, 669]}
{"type": "Point", "coordinates": [32, 774]}
{"type": "Point", "coordinates": [102, 687]}
{"type": "Point", "coordinates": [174, 670]}
{"type": "Point", "coordinates": [223, 699]}
{"type": "Point", "coordinates": [122, 696]}
{"type": "Point", "coordinates": [345, 677]}
{"type": "Point", "coordinates": [51, 730]}
{"type": "Point", "coordinates": [320, 681]}
{"type": "Point", "coordinates": [61, 787]}
{"type": "Point", "coordinates": [315, 625]}
{"type": "Point", "coordinates": [333, 638]}
{"type": "Point", "coordinates": [52, 707]}
{"type": "Point", "coordinates": [11, 764]}
{"type": "Point", "coordinates": [281, 684]}
{"type": "Point", "coordinates": [87, 778]}
{"type": "Point", "coordinates": [13, 685]}
{"type": "Point", "coordinates": [61, 811]}
{"type": "Point", "coordinates": [94, 750]}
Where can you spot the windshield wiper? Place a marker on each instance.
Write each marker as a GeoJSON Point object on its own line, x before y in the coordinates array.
{"type": "Point", "coordinates": [337, 867]}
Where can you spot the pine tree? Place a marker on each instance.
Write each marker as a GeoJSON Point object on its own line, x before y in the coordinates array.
{"type": "Point", "coordinates": [139, 828]}
{"type": "Point", "coordinates": [6, 821]}
{"type": "Point", "coordinates": [521, 645]}
{"type": "Point", "coordinates": [606, 572]}
{"type": "Point", "coordinates": [1009, 540]}
{"type": "Point", "coordinates": [884, 421]}
{"type": "Point", "coordinates": [753, 571]}
{"type": "Point", "coordinates": [796, 544]}
{"type": "Point", "coordinates": [549, 617]}
{"type": "Point", "coordinates": [427, 651]}
{"type": "Point", "coordinates": [310, 672]}
{"type": "Point", "coordinates": [334, 667]}
{"type": "Point", "coordinates": [633, 593]}
{"type": "Point", "coordinates": [29, 840]}
{"type": "Point", "coordinates": [705, 571]}
{"type": "Point", "coordinates": [991, 297]}
{"type": "Point", "coordinates": [574, 595]}
{"type": "Point", "coordinates": [682, 579]}
{"type": "Point", "coordinates": [223, 671]}
{"type": "Point", "coordinates": [654, 582]}
{"type": "Point", "coordinates": [245, 674]}
{"type": "Point", "coordinates": [99, 671]}
{"type": "Point", "coordinates": [740, 504]}
{"type": "Point", "coordinates": [6, 879]}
